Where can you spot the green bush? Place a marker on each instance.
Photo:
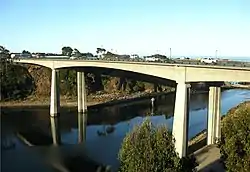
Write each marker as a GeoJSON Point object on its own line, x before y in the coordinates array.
{"type": "Point", "coordinates": [235, 139]}
{"type": "Point", "coordinates": [139, 86]}
{"type": "Point", "coordinates": [151, 149]}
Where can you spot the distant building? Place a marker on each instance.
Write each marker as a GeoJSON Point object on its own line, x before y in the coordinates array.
{"type": "Point", "coordinates": [150, 58]}
{"type": "Point", "coordinates": [134, 56]}
{"type": "Point", "coordinates": [20, 55]}
{"type": "Point", "coordinates": [56, 57]}
{"type": "Point", "coordinates": [15, 55]}
{"type": "Point", "coordinates": [38, 55]}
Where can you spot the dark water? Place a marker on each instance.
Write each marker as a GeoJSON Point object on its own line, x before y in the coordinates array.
{"type": "Point", "coordinates": [121, 118]}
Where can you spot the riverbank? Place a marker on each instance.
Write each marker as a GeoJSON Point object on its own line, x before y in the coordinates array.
{"type": "Point", "coordinates": [235, 86]}
{"type": "Point", "coordinates": [92, 100]}
{"type": "Point", "coordinates": [200, 139]}
{"type": "Point", "coordinates": [104, 99]}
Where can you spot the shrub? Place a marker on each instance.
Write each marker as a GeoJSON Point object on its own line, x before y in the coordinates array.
{"type": "Point", "coordinates": [151, 149]}
{"type": "Point", "coordinates": [139, 86]}
{"type": "Point", "coordinates": [235, 139]}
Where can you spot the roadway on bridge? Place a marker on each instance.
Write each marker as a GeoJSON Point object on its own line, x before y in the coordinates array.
{"type": "Point", "coordinates": [186, 63]}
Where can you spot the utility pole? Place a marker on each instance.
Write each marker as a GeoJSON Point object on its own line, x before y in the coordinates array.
{"type": "Point", "coordinates": [170, 53]}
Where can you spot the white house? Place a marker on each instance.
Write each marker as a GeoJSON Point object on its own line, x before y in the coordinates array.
{"type": "Point", "coordinates": [15, 55]}
{"type": "Point", "coordinates": [152, 59]}
{"type": "Point", "coordinates": [20, 55]}
{"type": "Point", "coordinates": [134, 56]}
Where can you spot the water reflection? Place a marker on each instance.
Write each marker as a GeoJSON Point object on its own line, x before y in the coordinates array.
{"type": "Point", "coordinates": [55, 130]}
{"type": "Point", "coordinates": [7, 143]}
{"type": "Point", "coordinates": [101, 131]}
{"type": "Point", "coordinates": [82, 124]}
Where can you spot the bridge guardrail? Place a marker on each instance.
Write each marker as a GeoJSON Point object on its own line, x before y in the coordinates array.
{"type": "Point", "coordinates": [172, 61]}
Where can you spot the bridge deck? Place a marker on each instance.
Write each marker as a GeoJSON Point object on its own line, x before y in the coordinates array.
{"type": "Point", "coordinates": [172, 71]}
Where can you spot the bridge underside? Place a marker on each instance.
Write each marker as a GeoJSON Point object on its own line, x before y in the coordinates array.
{"type": "Point", "coordinates": [129, 75]}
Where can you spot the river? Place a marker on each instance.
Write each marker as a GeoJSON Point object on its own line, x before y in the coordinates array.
{"type": "Point", "coordinates": [121, 118]}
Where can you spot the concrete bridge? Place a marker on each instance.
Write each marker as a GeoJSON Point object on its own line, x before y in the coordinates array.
{"type": "Point", "coordinates": [182, 74]}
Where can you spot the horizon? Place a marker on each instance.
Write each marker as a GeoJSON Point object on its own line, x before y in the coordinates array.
{"type": "Point", "coordinates": [192, 28]}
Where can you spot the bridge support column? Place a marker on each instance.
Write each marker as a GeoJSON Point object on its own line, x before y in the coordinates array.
{"type": "Point", "coordinates": [214, 109]}
{"type": "Point", "coordinates": [81, 93]}
{"type": "Point", "coordinates": [82, 107]}
{"type": "Point", "coordinates": [55, 94]}
{"type": "Point", "coordinates": [181, 118]}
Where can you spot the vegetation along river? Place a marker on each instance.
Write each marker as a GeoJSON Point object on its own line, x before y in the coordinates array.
{"type": "Point", "coordinates": [106, 126]}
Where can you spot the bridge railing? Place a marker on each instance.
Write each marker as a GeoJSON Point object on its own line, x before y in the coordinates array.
{"type": "Point", "coordinates": [166, 61]}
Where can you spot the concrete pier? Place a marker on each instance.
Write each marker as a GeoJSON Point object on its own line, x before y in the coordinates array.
{"type": "Point", "coordinates": [214, 110]}
{"type": "Point", "coordinates": [84, 94]}
{"type": "Point", "coordinates": [81, 93]}
{"type": "Point", "coordinates": [55, 94]}
{"type": "Point", "coordinates": [55, 130]}
{"type": "Point", "coordinates": [82, 107]}
{"type": "Point", "coordinates": [181, 118]}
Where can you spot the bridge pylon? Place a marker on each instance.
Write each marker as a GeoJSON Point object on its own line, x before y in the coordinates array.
{"type": "Point", "coordinates": [214, 116]}
{"type": "Point", "coordinates": [181, 118]}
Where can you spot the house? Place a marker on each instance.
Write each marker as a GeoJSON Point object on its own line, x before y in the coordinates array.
{"type": "Point", "coordinates": [134, 56]}
{"type": "Point", "coordinates": [20, 55]}
{"type": "Point", "coordinates": [15, 55]}
{"type": "Point", "coordinates": [38, 55]}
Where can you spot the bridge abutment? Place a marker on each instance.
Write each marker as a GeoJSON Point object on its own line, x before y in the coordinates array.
{"type": "Point", "coordinates": [55, 94]}
{"type": "Point", "coordinates": [181, 118]}
{"type": "Point", "coordinates": [214, 110]}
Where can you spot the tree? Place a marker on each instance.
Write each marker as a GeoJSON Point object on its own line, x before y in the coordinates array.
{"type": "Point", "coordinates": [100, 50]}
{"type": "Point", "coordinates": [151, 149]}
{"type": "Point", "coordinates": [5, 61]}
{"type": "Point", "coordinates": [159, 56]}
{"type": "Point", "coordinates": [26, 52]}
{"type": "Point", "coordinates": [87, 54]}
{"type": "Point", "coordinates": [67, 51]}
{"type": "Point", "coordinates": [235, 139]}
{"type": "Point", "coordinates": [110, 56]}
{"type": "Point", "coordinates": [15, 80]}
{"type": "Point", "coordinates": [4, 53]}
{"type": "Point", "coordinates": [76, 53]}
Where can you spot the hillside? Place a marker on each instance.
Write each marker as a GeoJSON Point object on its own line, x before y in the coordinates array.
{"type": "Point", "coordinates": [32, 80]}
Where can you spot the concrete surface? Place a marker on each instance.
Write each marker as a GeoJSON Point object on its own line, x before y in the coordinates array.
{"type": "Point", "coordinates": [209, 159]}
{"type": "Point", "coordinates": [175, 72]}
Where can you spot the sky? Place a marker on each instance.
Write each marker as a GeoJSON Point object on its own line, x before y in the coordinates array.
{"type": "Point", "coordinates": [188, 27]}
